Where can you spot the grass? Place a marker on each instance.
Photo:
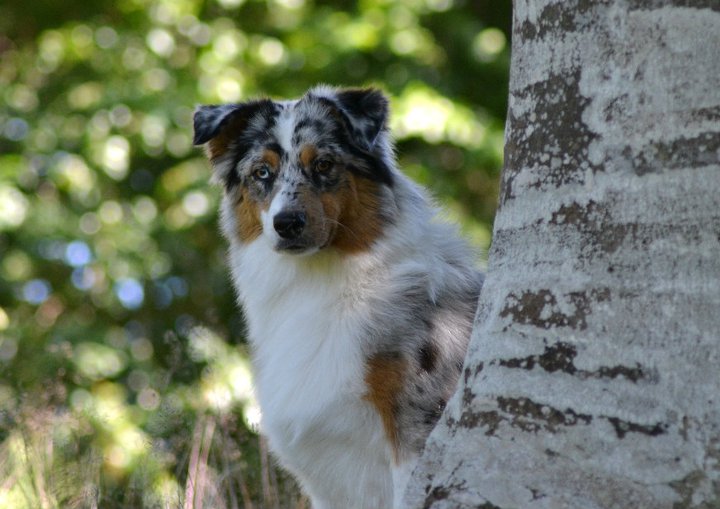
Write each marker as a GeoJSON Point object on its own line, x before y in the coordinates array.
{"type": "Point", "coordinates": [53, 457]}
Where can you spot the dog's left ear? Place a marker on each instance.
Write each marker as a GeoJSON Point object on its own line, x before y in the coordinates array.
{"type": "Point", "coordinates": [368, 112]}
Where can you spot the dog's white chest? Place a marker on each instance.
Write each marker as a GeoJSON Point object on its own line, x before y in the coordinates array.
{"type": "Point", "coordinates": [306, 330]}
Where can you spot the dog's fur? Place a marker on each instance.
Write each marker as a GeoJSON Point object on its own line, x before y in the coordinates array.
{"type": "Point", "coordinates": [359, 308]}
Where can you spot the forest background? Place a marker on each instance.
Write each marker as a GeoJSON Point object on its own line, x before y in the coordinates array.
{"type": "Point", "coordinates": [124, 377]}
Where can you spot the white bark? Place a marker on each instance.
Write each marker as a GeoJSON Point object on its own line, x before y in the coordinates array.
{"type": "Point", "coordinates": [593, 375]}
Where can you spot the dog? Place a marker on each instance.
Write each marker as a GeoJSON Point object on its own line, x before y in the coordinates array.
{"type": "Point", "coordinates": [359, 301]}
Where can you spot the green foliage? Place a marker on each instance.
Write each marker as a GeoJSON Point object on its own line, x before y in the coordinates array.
{"type": "Point", "coordinates": [124, 379]}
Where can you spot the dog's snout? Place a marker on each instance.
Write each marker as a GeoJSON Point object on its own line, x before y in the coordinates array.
{"type": "Point", "coordinates": [289, 224]}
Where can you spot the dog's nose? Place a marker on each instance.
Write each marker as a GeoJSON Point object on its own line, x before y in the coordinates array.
{"type": "Point", "coordinates": [289, 224]}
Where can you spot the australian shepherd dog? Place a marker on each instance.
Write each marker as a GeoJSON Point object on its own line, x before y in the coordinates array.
{"type": "Point", "coordinates": [359, 300]}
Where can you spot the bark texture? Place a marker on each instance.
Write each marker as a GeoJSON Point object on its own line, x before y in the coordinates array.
{"type": "Point", "coordinates": [593, 376]}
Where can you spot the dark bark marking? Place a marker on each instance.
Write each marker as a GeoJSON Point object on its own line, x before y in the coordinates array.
{"type": "Point", "coordinates": [439, 493]}
{"type": "Point", "coordinates": [595, 222]}
{"type": "Point", "coordinates": [681, 153]}
{"type": "Point", "coordinates": [622, 428]}
{"type": "Point", "coordinates": [602, 234]}
{"type": "Point", "coordinates": [558, 139]}
{"type": "Point", "coordinates": [474, 372]}
{"type": "Point", "coordinates": [636, 5]}
{"type": "Point", "coordinates": [536, 494]}
{"type": "Point", "coordinates": [560, 357]}
{"type": "Point", "coordinates": [632, 374]}
{"type": "Point", "coordinates": [472, 420]}
{"type": "Point", "coordinates": [558, 18]}
{"type": "Point", "coordinates": [688, 485]}
{"type": "Point", "coordinates": [528, 308]}
{"type": "Point", "coordinates": [522, 413]}
{"type": "Point", "coordinates": [530, 416]}
{"type": "Point", "coordinates": [573, 15]}
{"type": "Point", "coordinates": [573, 214]}
{"type": "Point", "coordinates": [468, 396]}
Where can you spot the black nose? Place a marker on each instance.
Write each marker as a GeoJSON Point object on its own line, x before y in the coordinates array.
{"type": "Point", "coordinates": [289, 224]}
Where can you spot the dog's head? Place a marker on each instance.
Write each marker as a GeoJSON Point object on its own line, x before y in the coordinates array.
{"type": "Point", "coordinates": [305, 174]}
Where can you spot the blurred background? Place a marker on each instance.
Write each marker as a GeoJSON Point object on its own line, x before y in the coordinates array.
{"type": "Point", "coordinates": [124, 377]}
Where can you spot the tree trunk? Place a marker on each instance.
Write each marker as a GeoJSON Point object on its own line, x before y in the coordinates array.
{"type": "Point", "coordinates": [593, 375]}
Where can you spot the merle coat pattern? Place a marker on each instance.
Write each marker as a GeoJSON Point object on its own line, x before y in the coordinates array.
{"type": "Point", "coordinates": [359, 301]}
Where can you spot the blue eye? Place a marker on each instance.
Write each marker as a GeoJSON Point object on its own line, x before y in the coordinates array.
{"type": "Point", "coordinates": [262, 173]}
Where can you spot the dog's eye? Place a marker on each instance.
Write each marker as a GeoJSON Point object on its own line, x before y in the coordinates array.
{"type": "Point", "coordinates": [262, 173]}
{"type": "Point", "coordinates": [323, 165]}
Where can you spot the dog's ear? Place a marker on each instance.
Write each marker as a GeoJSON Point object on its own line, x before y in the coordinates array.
{"type": "Point", "coordinates": [367, 109]}
{"type": "Point", "coordinates": [364, 114]}
{"type": "Point", "coordinates": [221, 126]}
{"type": "Point", "coordinates": [228, 131]}
{"type": "Point", "coordinates": [209, 119]}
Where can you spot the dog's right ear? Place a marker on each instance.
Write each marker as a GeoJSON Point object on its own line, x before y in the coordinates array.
{"type": "Point", "coordinates": [209, 119]}
{"type": "Point", "coordinates": [221, 126]}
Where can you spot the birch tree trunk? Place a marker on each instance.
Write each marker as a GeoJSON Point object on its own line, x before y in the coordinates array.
{"type": "Point", "coordinates": [593, 376]}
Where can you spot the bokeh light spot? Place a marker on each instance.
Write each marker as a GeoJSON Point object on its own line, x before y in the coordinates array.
{"type": "Point", "coordinates": [195, 203]}
{"type": "Point", "coordinates": [228, 44]}
{"type": "Point", "coordinates": [134, 58]}
{"type": "Point", "coordinates": [121, 116]}
{"type": "Point", "coordinates": [16, 129]}
{"type": "Point", "coordinates": [116, 157]}
{"type": "Point", "coordinates": [89, 223]}
{"type": "Point", "coordinates": [130, 293]}
{"type": "Point", "coordinates": [271, 51]}
{"type": "Point", "coordinates": [77, 253]}
{"type": "Point", "coordinates": [81, 400]}
{"type": "Point", "coordinates": [85, 95]}
{"type": "Point", "coordinates": [230, 4]}
{"type": "Point", "coordinates": [141, 349]}
{"type": "Point", "coordinates": [228, 89]}
{"type": "Point", "coordinates": [153, 130]}
{"type": "Point", "coordinates": [106, 37]}
{"type": "Point", "coordinates": [13, 207]}
{"type": "Point", "coordinates": [98, 361]}
{"type": "Point", "coordinates": [22, 97]}
{"type": "Point", "coordinates": [36, 291]}
{"type": "Point", "coordinates": [83, 278]}
{"type": "Point", "coordinates": [110, 212]}
{"type": "Point", "coordinates": [145, 210]}
{"type": "Point", "coordinates": [4, 320]}
{"type": "Point", "coordinates": [148, 399]}
{"type": "Point", "coordinates": [16, 265]}
{"type": "Point", "coordinates": [161, 42]}
{"type": "Point", "coordinates": [488, 44]}
{"type": "Point", "coordinates": [156, 79]}
{"type": "Point", "coordinates": [8, 348]}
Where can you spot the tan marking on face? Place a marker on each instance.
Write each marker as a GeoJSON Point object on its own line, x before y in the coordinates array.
{"type": "Point", "coordinates": [357, 208]}
{"type": "Point", "coordinates": [272, 158]}
{"type": "Point", "coordinates": [385, 380]}
{"type": "Point", "coordinates": [247, 213]}
{"type": "Point", "coordinates": [220, 144]}
{"type": "Point", "coordinates": [307, 155]}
